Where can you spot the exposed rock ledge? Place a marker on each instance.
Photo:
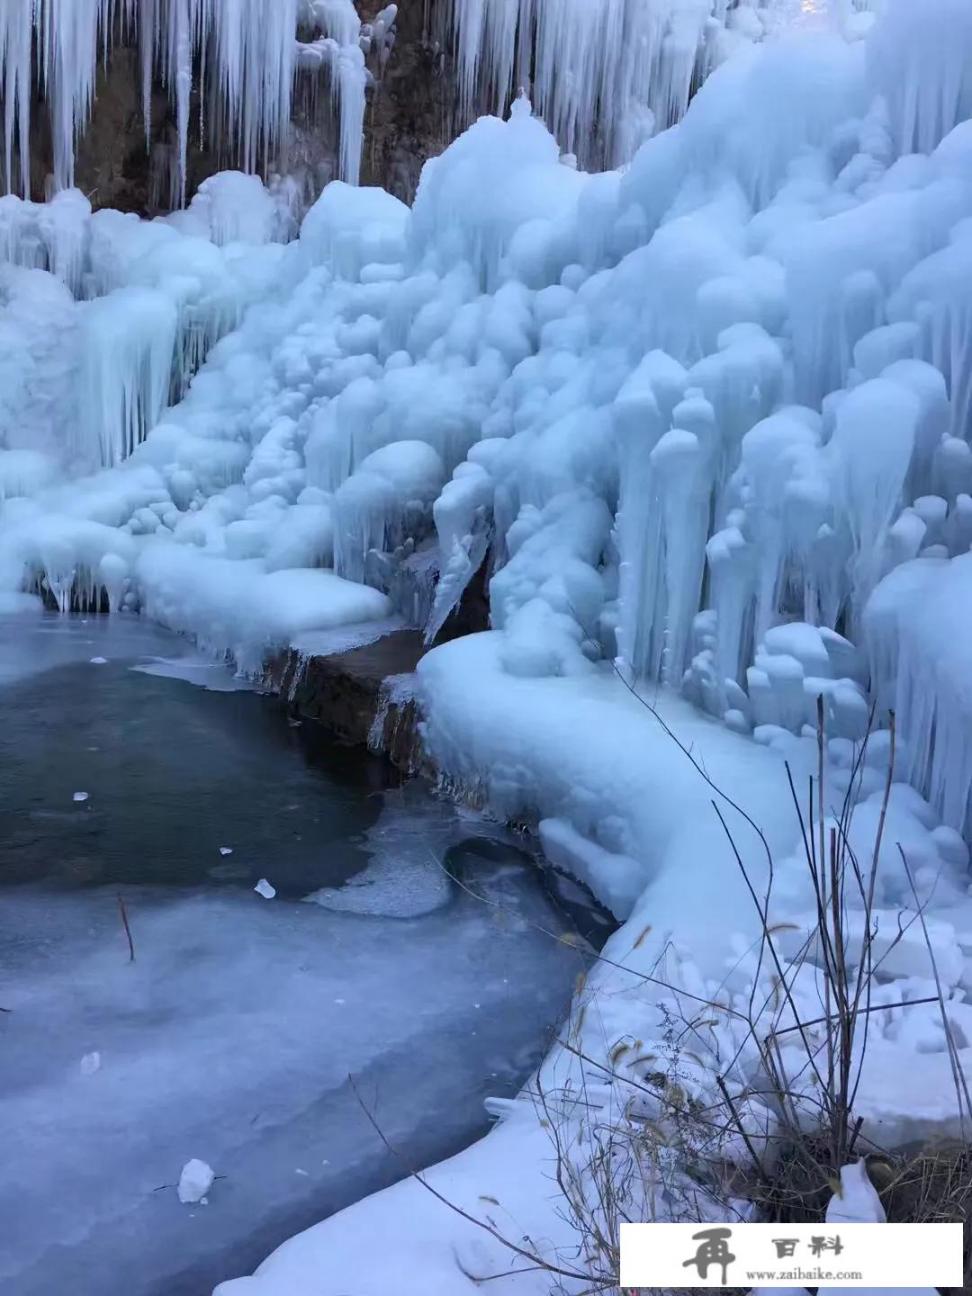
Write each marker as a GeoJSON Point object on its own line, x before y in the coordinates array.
{"type": "Point", "coordinates": [364, 696]}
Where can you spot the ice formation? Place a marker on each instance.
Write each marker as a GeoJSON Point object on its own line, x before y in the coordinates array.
{"type": "Point", "coordinates": [195, 1182]}
{"type": "Point", "coordinates": [606, 75]}
{"type": "Point", "coordinates": [240, 56]}
{"type": "Point", "coordinates": [708, 416]}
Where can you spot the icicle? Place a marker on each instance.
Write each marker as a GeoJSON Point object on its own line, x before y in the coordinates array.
{"type": "Point", "coordinates": [15, 38]}
{"type": "Point", "coordinates": [249, 45]}
{"type": "Point", "coordinates": [596, 65]}
{"type": "Point", "coordinates": [923, 69]}
{"type": "Point", "coordinates": [126, 365]}
{"type": "Point", "coordinates": [148, 17]}
{"type": "Point", "coordinates": [869, 455]}
{"type": "Point", "coordinates": [642, 414]}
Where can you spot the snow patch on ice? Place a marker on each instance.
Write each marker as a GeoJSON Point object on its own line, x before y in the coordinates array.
{"type": "Point", "coordinates": [195, 1182]}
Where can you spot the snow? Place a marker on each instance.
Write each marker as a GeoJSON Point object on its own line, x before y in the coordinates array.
{"type": "Point", "coordinates": [90, 1063]}
{"type": "Point", "coordinates": [195, 1182]}
{"type": "Point", "coordinates": [235, 608]}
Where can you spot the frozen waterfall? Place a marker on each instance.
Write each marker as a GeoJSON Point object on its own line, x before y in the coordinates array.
{"type": "Point", "coordinates": [603, 74]}
{"type": "Point", "coordinates": [708, 415]}
{"type": "Point", "coordinates": [238, 58]}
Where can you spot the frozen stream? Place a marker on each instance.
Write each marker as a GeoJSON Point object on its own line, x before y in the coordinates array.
{"type": "Point", "coordinates": [232, 1035]}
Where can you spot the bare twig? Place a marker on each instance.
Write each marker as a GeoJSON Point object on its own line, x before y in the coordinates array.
{"type": "Point", "coordinates": [128, 931]}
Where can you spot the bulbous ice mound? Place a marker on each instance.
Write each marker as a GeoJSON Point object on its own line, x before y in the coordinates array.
{"type": "Point", "coordinates": [489, 187]}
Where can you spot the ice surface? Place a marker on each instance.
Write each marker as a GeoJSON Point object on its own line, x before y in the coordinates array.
{"type": "Point", "coordinates": [405, 876]}
{"type": "Point", "coordinates": [213, 1041]}
{"type": "Point", "coordinates": [195, 668]}
{"type": "Point", "coordinates": [231, 1037]}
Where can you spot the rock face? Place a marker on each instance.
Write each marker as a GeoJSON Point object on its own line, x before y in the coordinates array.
{"type": "Point", "coordinates": [361, 696]}
{"type": "Point", "coordinates": [365, 696]}
{"type": "Point", "coordinates": [409, 118]}
{"type": "Point", "coordinates": [410, 115]}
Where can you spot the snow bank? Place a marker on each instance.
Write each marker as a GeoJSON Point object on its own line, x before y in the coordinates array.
{"type": "Point", "coordinates": [422, 1239]}
{"type": "Point", "coordinates": [587, 754]}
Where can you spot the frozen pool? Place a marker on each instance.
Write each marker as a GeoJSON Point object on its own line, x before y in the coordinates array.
{"type": "Point", "coordinates": [233, 1034]}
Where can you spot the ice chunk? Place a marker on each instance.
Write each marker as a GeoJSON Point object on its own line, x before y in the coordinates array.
{"type": "Point", "coordinates": [500, 175]}
{"type": "Point", "coordinates": [263, 888]}
{"type": "Point", "coordinates": [195, 1182]}
{"type": "Point", "coordinates": [90, 1063]}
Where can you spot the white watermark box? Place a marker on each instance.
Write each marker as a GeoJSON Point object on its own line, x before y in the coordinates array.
{"type": "Point", "coordinates": [791, 1255]}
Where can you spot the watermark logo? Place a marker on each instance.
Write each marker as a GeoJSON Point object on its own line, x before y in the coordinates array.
{"type": "Point", "coordinates": [787, 1255]}
{"type": "Point", "coordinates": [713, 1250]}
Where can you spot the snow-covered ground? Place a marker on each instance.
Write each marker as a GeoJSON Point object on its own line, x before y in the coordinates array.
{"type": "Point", "coordinates": [708, 416]}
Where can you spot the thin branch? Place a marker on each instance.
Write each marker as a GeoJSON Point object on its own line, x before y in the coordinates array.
{"type": "Point", "coordinates": [128, 931]}
{"type": "Point", "coordinates": [534, 1259]}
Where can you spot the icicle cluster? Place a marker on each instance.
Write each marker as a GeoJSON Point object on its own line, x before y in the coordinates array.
{"type": "Point", "coordinates": [240, 56]}
{"type": "Point", "coordinates": [605, 74]}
